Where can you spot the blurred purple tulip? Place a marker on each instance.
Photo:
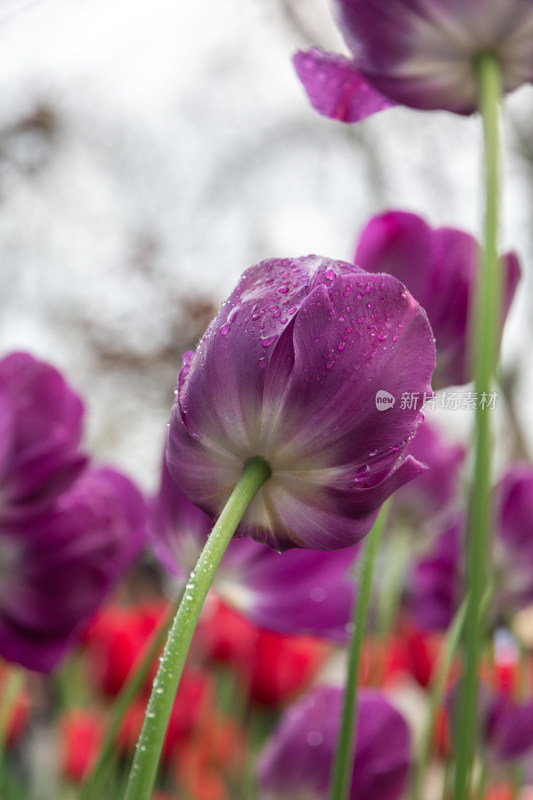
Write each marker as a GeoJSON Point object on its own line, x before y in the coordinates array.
{"type": "Point", "coordinates": [435, 580]}
{"type": "Point", "coordinates": [507, 727]}
{"type": "Point", "coordinates": [57, 567]}
{"type": "Point", "coordinates": [440, 267]}
{"type": "Point", "coordinates": [436, 577]}
{"type": "Point", "coordinates": [513, 556]}
{"type": "Point", "coordinates": [290, 370]}
{"type": "Point", "coordinates": [40, 431]}
{"type": "Point", "coordinates": [417, 54]}
{"type": "Point", "coordinates": [296, 761]}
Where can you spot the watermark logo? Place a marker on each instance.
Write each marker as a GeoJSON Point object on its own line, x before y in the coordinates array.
{"type": "Point", "coordinates": [384, 400]}
{"type": "Point", "coordinates": [446, 400]}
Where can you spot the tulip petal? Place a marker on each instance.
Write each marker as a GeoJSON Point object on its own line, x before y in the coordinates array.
{"type": "Point", "coordinates": [335, 87]}
{"type": "Point", "coordinates": [360, 335]}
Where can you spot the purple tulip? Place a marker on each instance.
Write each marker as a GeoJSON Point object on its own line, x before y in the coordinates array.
{"type": "Point", "coordinates": [40, 432]}
{"type": "Point", "coordinates": [300, 591]}
{"type": "Point", "coordinates": [417, 54]}
{"type": "Point", "coordinates": [513, 554]}
{"type": "Point", "coordinates": [292, 370]}
{"type": "Point", "coordinates": [296, 761]}
{"type": "Point", "coordinates": [435, 582]}
{"type": "Point", "coordinates": [436, 577]}
{"type": "Point", "coordinates": [57, 567]}
{"type": "Point", "coordinates": [438, 488]}
{"type": "Point", "coordinates": [507, 727]}
{"type": "Point", "coordinates": [440, 267]}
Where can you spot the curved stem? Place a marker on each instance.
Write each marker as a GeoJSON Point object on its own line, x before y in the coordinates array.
{"type": "Point", "coordinates": [128, 692]}
{"type": "Point", "coordinates": [344, 755]}
{"type": "Point", "coordinates": [143, 772]}
{"type": "Point", "coordinates": [484, 351]}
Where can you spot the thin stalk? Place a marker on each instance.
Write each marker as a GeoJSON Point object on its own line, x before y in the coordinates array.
{"type": "Point", "coordinates": [12, 685]}
{"type": "Point", "coordinates": [438, 688]}
{"type": "Point", "coordinates": [436, 695]}
{"type": "Point", "coordinates": [482, 782]}
{"type": "Point", "coordinates": [344, 755]}
{"type": "Point", "coordinates": [143, 772]}
{"type": "Point", "coordinates": [122, 701]}
{"type": "Point", "coordinates": [485, 337]}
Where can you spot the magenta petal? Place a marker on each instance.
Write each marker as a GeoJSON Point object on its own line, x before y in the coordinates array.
{"type": "Point", "coordinates": [297, 759]}
{"type": "Point", "coordinates": [335, 88]}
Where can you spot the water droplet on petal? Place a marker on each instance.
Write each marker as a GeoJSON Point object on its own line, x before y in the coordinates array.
{"type": "Point", "coordinates": [331, 274]}
{"type": "Point", "coordinates": [268, 341]}
{"type": "Point", "coordinates": [224, 330]}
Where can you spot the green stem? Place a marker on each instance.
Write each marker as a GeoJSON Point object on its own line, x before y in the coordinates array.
{"type": "Point", "coordinates": [344, 756]}
{"type": "Point", "coordinates": [436, 694]}
{"type": "Point", "coordinates": [485, 349]}
{"type": "Point", "coordinates": [143, 772]}
{"type": "Point", "coordinates": [130, 690]}
{"type": "Point", "coordinates": [11, 688]}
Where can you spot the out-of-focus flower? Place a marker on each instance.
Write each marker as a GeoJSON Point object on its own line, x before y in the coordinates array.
{"type": "Point", "coordinates": [81, 734]}
{"type": "Point", "coordinates": [57, 567]}
{"type": "Point", "coordinates": [436, 576]}
{"type": "Point", "coordinates": [19, 712]}
{"type": "Point", "coordinates": [290, 370]}
{"type": "Point", "coordinates": [211, 760]}
{"type": "Point", "coordinates": [40, 431]}
{"type": "Point", "coordinates": [440, 267]}
{"type": "Point", "coordinates": [423, 651]}
{"type": "Point", "coordinates": [300, 591]}
{"type": "Point", "coordinates": [513, 547]}
{"type": "Point", "coordinates": [283, 666]}
{"type": "Point", "coordinates": [501, 791]}
{"type": "Point", "coordinates": [505, 724]}
{"type": "Point", "coordinates": [193, 700]}
{"type": "Point", "coordinates": [384, 661]}
{"type": "Point", "coordinates": [272, 667]}
{"type": "Point", "coordinates": [297, 760]}
{"type": "Point", "coordinates": [421, 55]}
{"type": "Point", "coordinates": [436, 489]}
{"type": "Point", "coordinates": [435, 579]}
{"type": "Point", "coordinates": [114, 641]}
